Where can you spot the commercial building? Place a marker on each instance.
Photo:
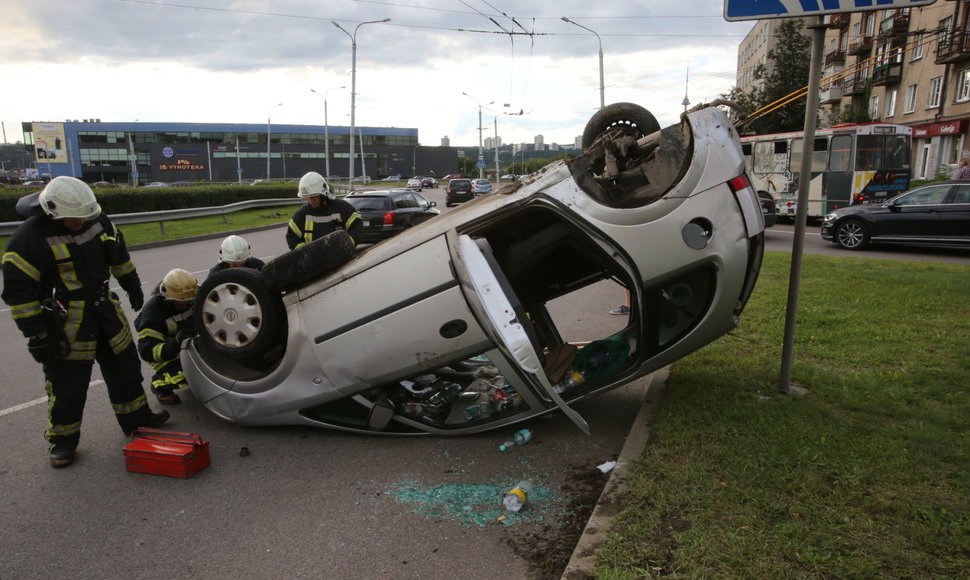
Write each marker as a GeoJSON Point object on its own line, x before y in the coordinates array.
{"type": "Point", "coordinates": [168, 152]}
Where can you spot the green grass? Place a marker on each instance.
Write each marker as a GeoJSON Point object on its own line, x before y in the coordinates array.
{"type": "Point", "coordinates": [866, 476]}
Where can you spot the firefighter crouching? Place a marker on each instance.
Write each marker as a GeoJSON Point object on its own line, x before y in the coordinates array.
{"type": "Point", "coordinates": [56, 270]}
{"type": "Point", "coordinates": [236, 253]}
{"type": "Point", "coordinates": [163, 325]}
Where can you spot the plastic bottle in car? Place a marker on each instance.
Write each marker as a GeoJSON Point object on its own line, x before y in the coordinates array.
{"type": "Point", "coordinates": [573, 379]}
{"type": "Point", "coordinates": [521, 437]}
{"type": "Point", "coordinates": [518, 496]}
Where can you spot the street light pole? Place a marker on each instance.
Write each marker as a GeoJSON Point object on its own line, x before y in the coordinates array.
{"type": "Point", "coordinates": [481, 155]}
{"type": "Point", "coordinates": [353, 87]}
{"type": "Point", "coordinates": [600, 41]}
{"type": "Point", "coordinates": [326, 125]}
{"type": "Point", "coordinates": [268, 131]}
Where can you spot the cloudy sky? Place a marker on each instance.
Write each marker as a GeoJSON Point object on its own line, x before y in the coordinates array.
{"type": "Point", "coordinates": [244, 61]}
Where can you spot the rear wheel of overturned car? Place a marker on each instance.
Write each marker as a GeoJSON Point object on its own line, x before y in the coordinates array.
{"type": "Point", "coordinates": [309, 261]}
{"type": "Point", "coordinates": [630, 118]}
{"type": "Point", "coordinates": [852, 235]}
{"type": "Point", "coordinates": [237, 315]}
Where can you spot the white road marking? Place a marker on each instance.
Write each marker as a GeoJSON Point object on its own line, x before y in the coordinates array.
{"type": "Point", "coordinates": [29, 404]}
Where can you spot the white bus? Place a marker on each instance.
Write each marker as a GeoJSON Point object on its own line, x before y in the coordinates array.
{"type": "Point", "coordinates": [851, 164]}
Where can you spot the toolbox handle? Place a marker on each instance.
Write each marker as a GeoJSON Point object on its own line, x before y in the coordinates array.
{"type": "Point", "coordinates": [165, 436]}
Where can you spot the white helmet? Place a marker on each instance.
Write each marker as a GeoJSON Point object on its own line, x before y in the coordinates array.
{"type": "Point", "coordinates": [234, 249]}
{"type": "Point", "coordinates": [179, 285]}
{"type": "Point", "coordinates": [69, 197]}
{"type": "Point", "coordinates": [314, 184]}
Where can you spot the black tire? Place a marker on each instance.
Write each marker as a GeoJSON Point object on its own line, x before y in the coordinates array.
{"type": "Point", "coordinates": [238, 316]}
{"type": "Point", "coordinates": [308, 262]}
{"type": "Point", "coordinates": [852, 235]}
{"type": "Point", "coordinates": [631, 118]}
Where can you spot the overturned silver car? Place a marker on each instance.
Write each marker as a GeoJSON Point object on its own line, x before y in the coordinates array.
{"type": "Point", "coordinates": [468, 342]}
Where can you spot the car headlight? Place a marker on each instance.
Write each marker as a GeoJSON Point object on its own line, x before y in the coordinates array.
{"type": "Point", "coordinates": [829, 218]}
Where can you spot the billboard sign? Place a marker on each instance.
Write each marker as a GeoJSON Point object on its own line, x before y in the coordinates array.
{"type": "Point", "coordinates": [49, 143]}
{"type": "Point", "coordinates": [761, 9]}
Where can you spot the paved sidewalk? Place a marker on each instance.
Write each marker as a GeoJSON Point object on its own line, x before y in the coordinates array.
{"type": "Point", "coordinates": [580, 566]}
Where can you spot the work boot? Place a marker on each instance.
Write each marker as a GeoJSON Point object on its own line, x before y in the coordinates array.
{"type": "Point", "coordinates": [167, 397]}
{"type": "Point", "coordinates": [62, 456]}
{"type": "Point", "coordinates": [154, 420]}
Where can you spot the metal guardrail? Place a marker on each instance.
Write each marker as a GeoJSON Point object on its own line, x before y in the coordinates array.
{"type": "Point", "coordinates": [7, 228]}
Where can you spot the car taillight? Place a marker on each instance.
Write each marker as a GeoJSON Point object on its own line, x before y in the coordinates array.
{"type": "Point", "coordinates": [739, 183]}
{"type": "Point", "coordinates": [389, 218]}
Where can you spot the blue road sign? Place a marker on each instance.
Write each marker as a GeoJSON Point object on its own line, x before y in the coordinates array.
{"type": "Point", "coordinates": [760, 9]}
{"type": "Point", "coordinates": [480, 164]}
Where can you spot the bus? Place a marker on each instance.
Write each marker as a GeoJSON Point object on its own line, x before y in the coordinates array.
{"type": "Point", "coordinates": [851, 164]}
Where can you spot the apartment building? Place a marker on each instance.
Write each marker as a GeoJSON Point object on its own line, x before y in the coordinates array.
{"type": "Point", "coordinates": [909, 66]}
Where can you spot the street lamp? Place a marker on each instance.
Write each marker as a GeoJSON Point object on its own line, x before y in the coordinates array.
{"type": "Point", "coordinates": [598, 39]}
{"type": "Point", "coordinates": [353, 87]}
{"type": "Point", "coordinates": [481, 157]}
{"type": "Point", "coordinates": [326, 125]}
{"type": "Point", "coordinates": [268, 131]}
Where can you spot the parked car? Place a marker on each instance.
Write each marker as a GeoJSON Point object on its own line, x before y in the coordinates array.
{"type": "Point", "coordinates": [458, 190]}
{"type": "Point", "coordinates": [451, 176]}
{"type": "Point", "coordinates": [936, 214]}
{"type": "Point", "coordinates": [388, 213]}
{"type": "Point", "coordinates": [416, 182]}
{"type": "Point", "coordinates": [481, 186]}
{"type": "Point", "coordinates": [156, 184]}
{"type": "Point", "coordinates": [454, 326]}
{"type": "Point", "coordinates": [510, 177]}
{"type": "Point", "coordinates": [768, 208]}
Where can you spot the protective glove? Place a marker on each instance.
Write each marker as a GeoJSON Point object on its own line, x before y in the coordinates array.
{"type": "Point", "coordinates": [136, 298]}
{"type": "Point", "coordinates": [171, 349]}
{"type": "Point", "coordinates": [183, 334]}
{"type": "Point", "coordinates": [41, 348]}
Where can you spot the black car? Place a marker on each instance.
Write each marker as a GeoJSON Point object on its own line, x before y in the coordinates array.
{"type": "Point", "coordinates": [768, 208]}
{"type": "Point", "coordinates": [936, 214]}
{"type": "Point", "coordinates": [458, 190]}
{"type": "Point", "coordinates": [388, 213]}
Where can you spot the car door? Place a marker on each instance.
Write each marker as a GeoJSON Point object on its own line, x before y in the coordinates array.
{"type": "Point", "coordinates": [912, 217]}
{"type": "Point", "coordinates": [954, 216]}
{"type": "Point", "coordinates": [421, 208]}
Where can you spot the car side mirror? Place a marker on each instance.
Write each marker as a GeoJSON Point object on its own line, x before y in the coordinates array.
{"type": "Point", "coordinates": [892, 206]}
{"type": "Point", "coordinates": [432, 204]}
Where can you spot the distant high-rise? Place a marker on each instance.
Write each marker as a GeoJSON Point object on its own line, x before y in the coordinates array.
{"type": "Point", "coordinates": [445, 141]}
{"type": "Point", "coordinates": [539, 141]}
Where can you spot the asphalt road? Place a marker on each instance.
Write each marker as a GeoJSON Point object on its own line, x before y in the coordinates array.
{"type": "Point", "coordinates": [305, 502]}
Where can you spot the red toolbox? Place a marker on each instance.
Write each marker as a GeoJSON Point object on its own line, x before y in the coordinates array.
{"type": "Point", "coordinates": [168, 453]}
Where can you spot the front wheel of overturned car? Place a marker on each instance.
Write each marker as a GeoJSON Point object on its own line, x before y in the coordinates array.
{"type": "Point", "coordinates": [238, 316]}
{"type": "Point", "coordinates": [852, 235]}
{"type": "Point", "coordinates": [631, 118]}
{"type": "Point", "coordinates": [309, 261]}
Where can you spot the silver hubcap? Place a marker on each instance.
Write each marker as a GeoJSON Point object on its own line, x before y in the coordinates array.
{"type": "Point", "coordinates": [232, 315]}
{"type": "Point", "coordinates": [850, 235]}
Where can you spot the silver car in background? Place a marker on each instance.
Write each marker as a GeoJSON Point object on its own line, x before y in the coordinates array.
{"type": "Point", "coordinates": [369, 342]}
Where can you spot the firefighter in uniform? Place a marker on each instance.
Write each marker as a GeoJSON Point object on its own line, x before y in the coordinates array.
{"type": "Point", "coordinates": [163, 325]}
{"type": "Point", "coordinates": [236, 253]}
{"type": "Point", "coordinates": [322, 214]}
{"type": "Point", "coordinates": [56, 270]}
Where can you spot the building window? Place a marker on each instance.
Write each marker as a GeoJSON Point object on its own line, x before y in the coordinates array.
{"type": "Point", "coordinates": [918, 48]}
{"type": "Point", "coordinates": [936, 90]}
{"type": "Point", "coordinates": [891, 103]}
{"type": "Point", "coordinates": [873, 106]}
{"type": "Point", "coordinates": [963, 86]}
{"type": "Point", "coordinates": [910, 104]}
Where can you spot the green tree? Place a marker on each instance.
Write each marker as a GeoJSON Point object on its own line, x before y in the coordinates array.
{"type": "Point", "coordinates": [790, 61]}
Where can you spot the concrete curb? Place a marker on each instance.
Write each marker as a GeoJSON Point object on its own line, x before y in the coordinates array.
{"type": "Point", "coordinates": [580, 566]}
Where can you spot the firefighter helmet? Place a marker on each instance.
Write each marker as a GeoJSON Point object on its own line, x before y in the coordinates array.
{"type": "Point", "coordinates": [234, 249]}
{"type": "Point", "coordinates": [314, 184]}
{"type": "Point", "coordinates": [179, 285]}
{"type": "Point", "coordinates": [69, 197]}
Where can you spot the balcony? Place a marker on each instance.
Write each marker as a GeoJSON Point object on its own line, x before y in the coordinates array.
{"type": "Point", "coordinates": [895, 27]}
{"type": "Point", "coordinates": [854, 86]}
{"type": "Point", "coordinates": [953, 47]}
{"type": "Point", "coordinates": [861, 47]}
{"type": "Point", "coordinates": [830, 94]}
{"type": "Point", "coordinates": [840, 20]}
{"type": "Point", "coordinates": [887, 74]}
{"type": "Point", "coordinates": [836, 57]}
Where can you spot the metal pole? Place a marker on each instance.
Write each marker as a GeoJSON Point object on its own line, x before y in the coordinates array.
{"type": "Point", "coordinates": [497, 178]}
{"type": "Point", "coordinates": [481, 157]}
{"type": "Point", "coordinates": [801, 211]}
{"type": "Point", "coordinates": [353, 89]}
{"type": "Point", "coordinates": [238, 163]}
{"type": "Point", "coordinates": [326, 125]}
{"type": "Point", "coordinates": [600, 41]}
{"type": "Point", "coordinates": [267, 147]}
